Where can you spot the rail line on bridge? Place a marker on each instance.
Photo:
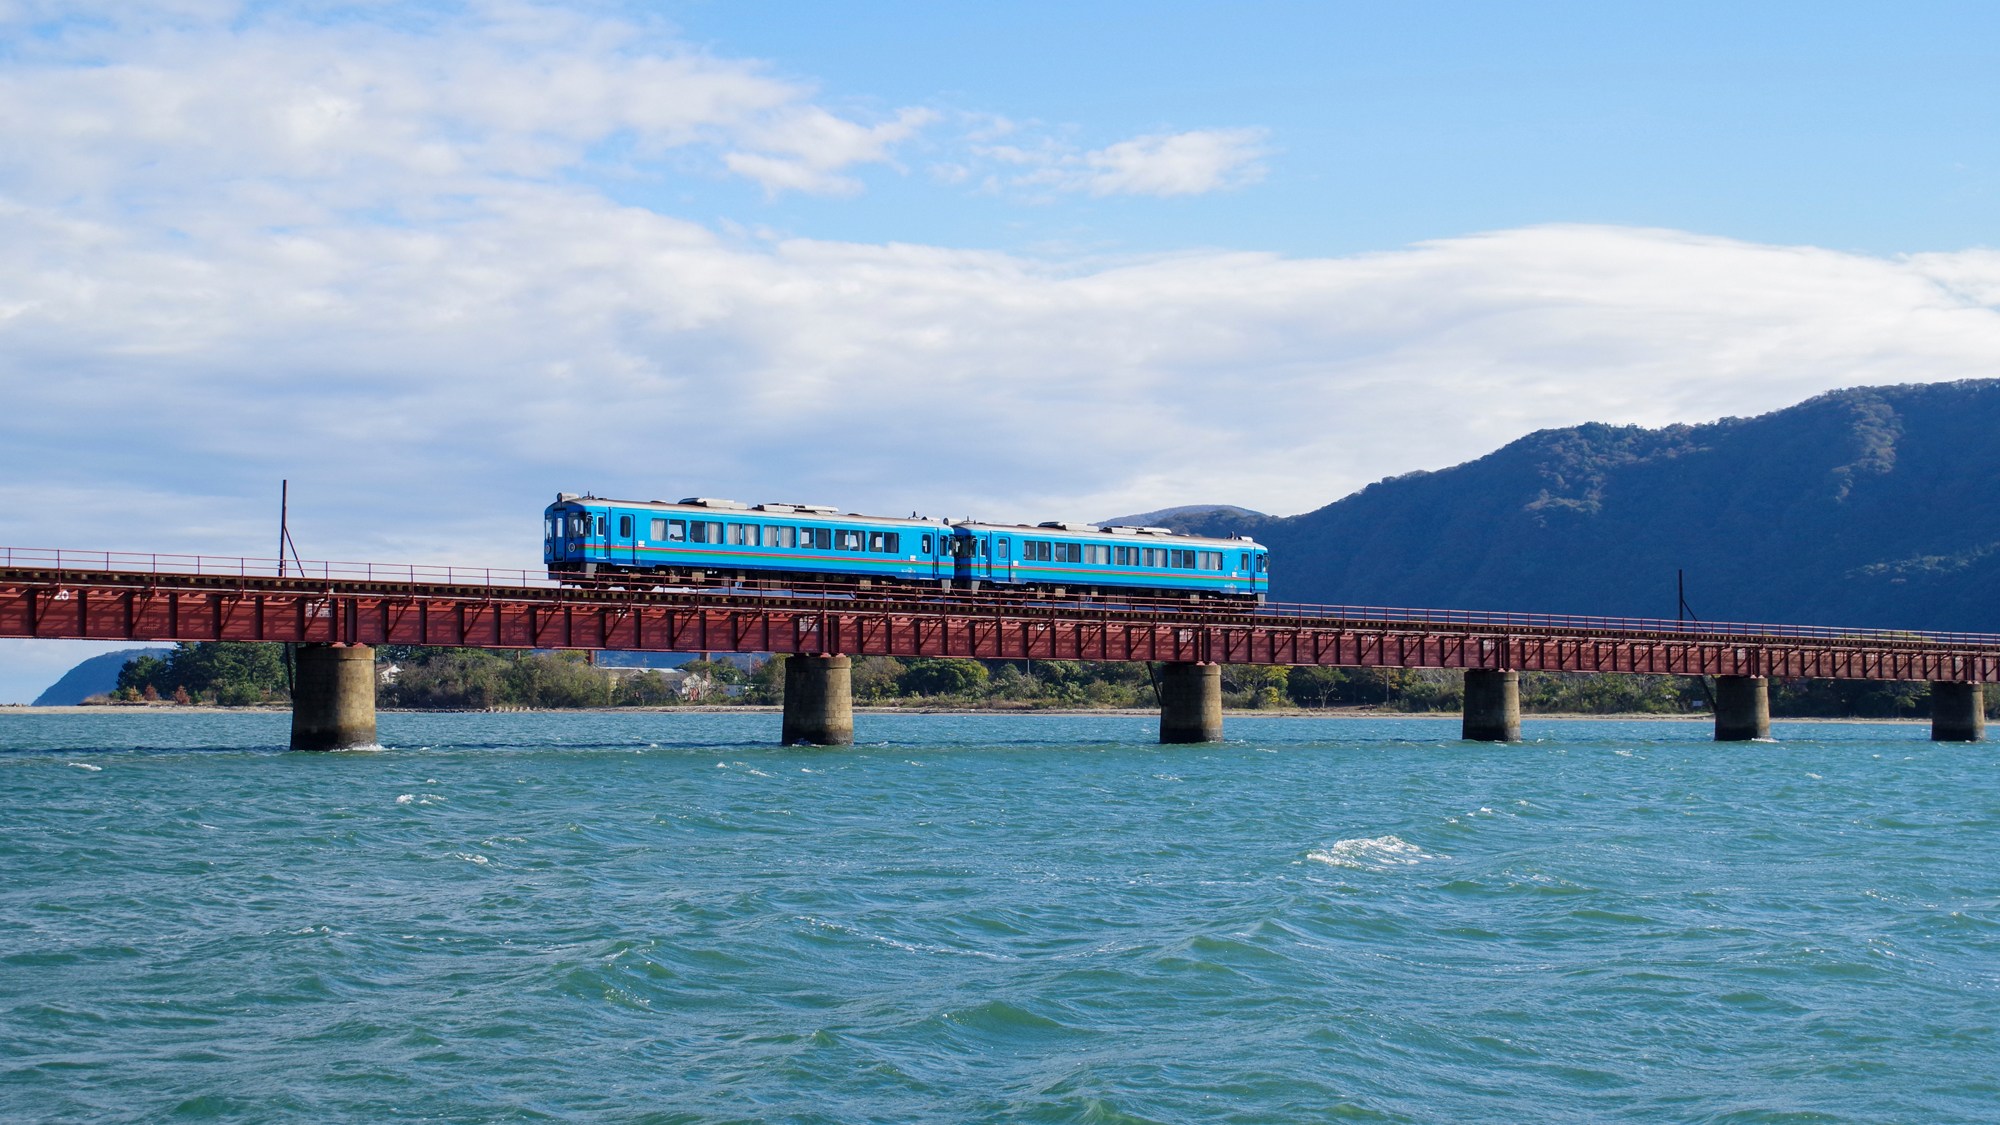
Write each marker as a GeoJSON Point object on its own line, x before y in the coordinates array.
{"type": "Point", "coordinates": [135, 597]}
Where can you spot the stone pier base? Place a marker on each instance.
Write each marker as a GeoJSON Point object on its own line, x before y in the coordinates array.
{"type": "Point", "coordinates": [1742, 708]}
{"type": "Point", "coordinates": [333, 697]}
{"type": "Point", "coordinates": [1492, 706]}
{"type": "Point", "coordinates": [1190, 702]}
{"type": "Point", "coordinates": [1958, 712]}
{"type": "Point", "coordinates": [819, 701]}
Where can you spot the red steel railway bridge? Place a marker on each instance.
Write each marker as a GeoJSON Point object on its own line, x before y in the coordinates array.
{"type": "Point", "coordinates": [336, 612]}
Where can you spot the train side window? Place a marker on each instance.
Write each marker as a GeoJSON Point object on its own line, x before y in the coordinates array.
{"type": "Point", "coordinates": [624, 527]}
{"type": "Point", "coordinates": [927, 544]}
{"type": "Point", "coordinates": [742, 534]}
{"type": "Point", "coordinates": [877, 541]}
{"type": "Point", "coordinates": [715, 532]}
{"type": "Point", "coordinates": [776, 536]}
{"type": "Point", "coordinates": [600, 525]}
{"type": "Point", "coordinates": [848, 540]}
{"type": "Point", "coordinates": [1243, 561]}
{"type": "Point", "coordinates": [659, 530]}
{"type": "Point", "coordinates": [676, 531]}
{"type": "Point", "coordinates": [1263, 563]}
{"type": "Point", "coordinates": [895, 542]}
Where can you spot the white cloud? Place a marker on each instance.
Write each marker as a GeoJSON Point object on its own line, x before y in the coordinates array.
{"type": "Point", "coordinates": [1191, 163]}
{"type": "Point", "coordinates": [1196, 162]}
{"type": "Point", "coordinates": [426, 389]}
{"type": "Point", "coordinates": [362, 114]}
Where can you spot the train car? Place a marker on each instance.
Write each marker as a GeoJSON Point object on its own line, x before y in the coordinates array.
{"type": "Point", "coordinates": [704, 541]}
{"type": "Point", "coordinates": [1073, 559]}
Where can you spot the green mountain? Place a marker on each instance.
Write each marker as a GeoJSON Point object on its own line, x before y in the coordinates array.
{"type": "Point", "coordinates": [1869, 507]}
{"type": "Point", "coordinates": [95, 676]}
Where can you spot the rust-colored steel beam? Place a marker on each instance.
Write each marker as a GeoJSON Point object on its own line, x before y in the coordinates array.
{"type": "Point", "coordinates": [116, 605]}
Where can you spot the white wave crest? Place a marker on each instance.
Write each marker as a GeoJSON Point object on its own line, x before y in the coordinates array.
{"type": "Point", "coordinates": [88, 766]}
{"type": "Point", "coordinates": [1374, 853]}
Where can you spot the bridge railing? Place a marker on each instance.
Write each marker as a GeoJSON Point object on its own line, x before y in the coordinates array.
{"type": "Point", "coordinates": [223, 566]}
{"type": "Point", "coordinates": [1583, 623]}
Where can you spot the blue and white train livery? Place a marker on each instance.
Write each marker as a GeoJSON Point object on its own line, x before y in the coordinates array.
{"type": "Point", "coordinates": [708, 542]}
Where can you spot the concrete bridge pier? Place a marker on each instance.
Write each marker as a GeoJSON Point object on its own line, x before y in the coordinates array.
{"type": "Point", "coordinates": [1742, 708]}
{"type": "Point", "coordinates": [1190, 702]}
{"type": "Point", "coordinates": [1958, 712]}
{"type": "Point", "coordinates": [333, 697]}
{"type": "Point", "coordinates": [1492, 706]}
{"type": "Point", "coordinates": [819, 701]}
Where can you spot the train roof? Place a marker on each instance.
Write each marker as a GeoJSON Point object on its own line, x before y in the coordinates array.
{"type": "Point", "coordinates": [712, 508]}
{"type": "Point", "coordinates": [1110, 533]}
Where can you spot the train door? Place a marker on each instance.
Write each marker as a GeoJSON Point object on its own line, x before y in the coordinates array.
{"type": "Point", "coordinates": [934, 547]}
{"type": "Point", "coordinates": [625, 547]}
{"type": "Point", "coordinates": [1003, 558]}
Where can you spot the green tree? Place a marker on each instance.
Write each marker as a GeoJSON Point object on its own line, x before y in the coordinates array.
{"type": "Point", "coordinates": [231, 672]}
{"type": "Point", "coordinates": [458, 678]}
{"type": "Point", "coordinates": [1314, 686]}
{"type": "Point", "coordinates": [645, 689]}
{"type": "Point", "coordinates": [766, 683]}
{"type": "Point", "coordinates": [933, 675]}
{"type": "Point", "coordinates": [875, 677]}
{"type": "Point", "coordinates": [556, 680]}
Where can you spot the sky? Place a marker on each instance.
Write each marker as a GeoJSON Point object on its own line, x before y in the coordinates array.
{"type": "Point", "coordinates": [434, 263]}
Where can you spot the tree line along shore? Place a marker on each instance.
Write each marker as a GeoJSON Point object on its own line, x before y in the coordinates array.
{"type": "Point", "coordinates": [410, 677]}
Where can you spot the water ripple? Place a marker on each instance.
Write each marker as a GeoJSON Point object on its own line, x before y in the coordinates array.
{"type": "Point", "coordinates": [1023, 918]}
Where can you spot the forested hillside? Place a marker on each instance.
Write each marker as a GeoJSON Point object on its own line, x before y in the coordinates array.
{"type": "Point", "coordinates": [1873, 506]}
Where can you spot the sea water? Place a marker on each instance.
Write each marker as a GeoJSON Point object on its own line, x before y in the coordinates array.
{"type": "Point", "coordinates": [663, 917]}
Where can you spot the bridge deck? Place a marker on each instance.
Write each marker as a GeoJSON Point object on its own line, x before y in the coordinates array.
{"type": "Point", "coordinates": [98, 596]}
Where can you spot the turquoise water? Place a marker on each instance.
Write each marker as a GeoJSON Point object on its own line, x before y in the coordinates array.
{"type": "Point", "coordinates": [661, 917]}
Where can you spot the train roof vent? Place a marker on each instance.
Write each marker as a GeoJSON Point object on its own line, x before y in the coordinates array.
{"type": "Point", "coordinates": [818, 509]}
{"type": "Point", "coordinates": [565, 497]}
{"type": "Point", "coordinates": [1067, 526]}
{"type": "Point", "coordinates": [777, 508]}
{"type": "Point", "coordinates": [712, 502]}
{"type": "Point", "coordinates": [1158, 531]}
{"type": "Point", "coordinates": [1119, 529]}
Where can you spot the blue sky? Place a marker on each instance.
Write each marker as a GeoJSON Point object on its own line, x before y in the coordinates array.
{"type": "Point", "coordinates": [1857, 126]}
{"type": "Point", "coordinates": [1019, 261]}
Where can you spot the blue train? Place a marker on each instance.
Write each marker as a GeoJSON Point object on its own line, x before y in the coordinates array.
{"type": "Point", "coordinates": [707, 542]}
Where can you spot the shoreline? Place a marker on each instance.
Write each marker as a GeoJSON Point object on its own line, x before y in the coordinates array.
{"type": "Point", "coordinates": [1343, 713]}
